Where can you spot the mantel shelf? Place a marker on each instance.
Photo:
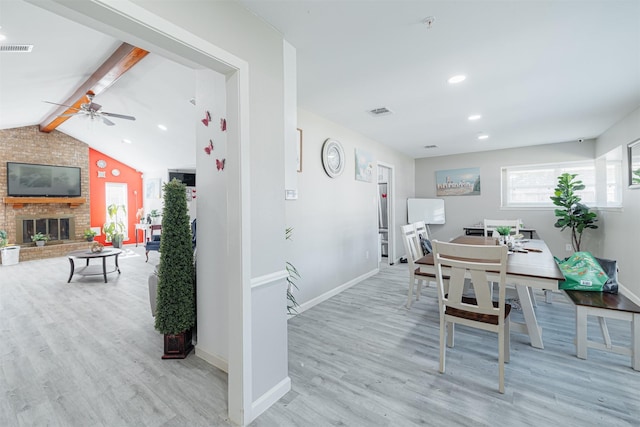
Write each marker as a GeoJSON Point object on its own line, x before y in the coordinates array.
{"type": "Point", "coordinates": [19, 202]}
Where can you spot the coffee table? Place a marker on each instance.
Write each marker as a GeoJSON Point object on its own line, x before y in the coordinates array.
{"type": "Point", "coordinates": [93, 270]}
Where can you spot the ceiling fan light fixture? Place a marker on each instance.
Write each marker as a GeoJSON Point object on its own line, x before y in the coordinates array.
{"type": "Point", "coordinates": [457, 79]}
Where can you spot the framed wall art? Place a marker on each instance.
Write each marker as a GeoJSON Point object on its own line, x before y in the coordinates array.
{"type": "Point", "coordinates": [458, 182]}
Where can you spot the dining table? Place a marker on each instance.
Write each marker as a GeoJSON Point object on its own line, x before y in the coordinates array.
{"type": "Point", "coordinates": [529, 265]}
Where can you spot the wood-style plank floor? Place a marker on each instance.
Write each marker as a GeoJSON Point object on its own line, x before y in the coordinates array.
{"type": "Point", "coordinates": [86, 354]}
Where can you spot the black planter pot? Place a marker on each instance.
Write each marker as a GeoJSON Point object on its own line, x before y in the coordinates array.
{"type": "Point", "coordinates": [177, 346]}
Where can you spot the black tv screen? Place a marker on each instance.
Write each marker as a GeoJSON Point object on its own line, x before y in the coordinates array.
{"type": "Point", "coordinates": [24, 179]}
{"type": "Point", "coordinates": [189, 179]}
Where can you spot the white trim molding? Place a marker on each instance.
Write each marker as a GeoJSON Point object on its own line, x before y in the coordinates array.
{"type": "Point", "coordinates": [263, 403]}
{"type": "Point", "coordinates": [335, 291]}
{"type": "Point", "coordinates": [267, 279]}
{"type": "Point", "coordinates": [213, 359]}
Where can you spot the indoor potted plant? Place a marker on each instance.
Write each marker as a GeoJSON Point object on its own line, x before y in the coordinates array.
{"type": "Point", "coordinates": [3, 239]}
{"type": "Point", "coordinates": [573, 215]}
{"type": "Point", "coordinates": [114, 228]}
{"type": "Point", "coordinates": [89, 234]}
{"type": "Point", "coordinates": [155, 214]}
{"type": "Point", "coordinates": [39, 239]}
{"type": "Point", "coordinates": [175, 305]}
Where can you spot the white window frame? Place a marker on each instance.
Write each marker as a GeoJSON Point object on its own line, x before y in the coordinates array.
{"type": "Point", "coordinates": [117, 192]}
{"type": "Point", "coordinates": [604, 191]}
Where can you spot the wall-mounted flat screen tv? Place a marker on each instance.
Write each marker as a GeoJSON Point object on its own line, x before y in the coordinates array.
{"type": "Point", "coordinates": [187, 178]}
{"type": "Point", "coordinates": [24, 179]}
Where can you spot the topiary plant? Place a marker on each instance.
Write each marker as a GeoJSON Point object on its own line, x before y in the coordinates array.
{"type": "Point", "coordinates": [175, 312]}
{"type": "Point", "coordinates": [573, 215]}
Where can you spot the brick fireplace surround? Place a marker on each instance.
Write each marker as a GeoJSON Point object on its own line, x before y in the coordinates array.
{"type": "Point", "coordinates": [29, 145]}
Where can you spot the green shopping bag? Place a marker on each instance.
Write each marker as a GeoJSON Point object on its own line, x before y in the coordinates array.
{"type": "Point", "coordinates": [582, 273]}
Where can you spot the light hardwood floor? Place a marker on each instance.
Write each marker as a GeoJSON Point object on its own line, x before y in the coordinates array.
{"type": "Point", "coordinates": [86, 354]}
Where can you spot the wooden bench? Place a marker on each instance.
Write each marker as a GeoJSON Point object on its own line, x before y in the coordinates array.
{"type": "Point", "coordinates": [605, 305]}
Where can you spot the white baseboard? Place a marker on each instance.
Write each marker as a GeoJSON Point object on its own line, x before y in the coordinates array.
{"type": "Point", "coordinates": [265, 401]}
{"type": "Point", "coordinates": [213, 359]}
{"type": "Point", "coordinates": [627, 293]}
{"type": "Point", "coordinates": [335, 291]}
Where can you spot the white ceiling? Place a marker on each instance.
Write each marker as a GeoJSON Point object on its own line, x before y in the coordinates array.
{"type": "Point", "coordinates": [538, 71]}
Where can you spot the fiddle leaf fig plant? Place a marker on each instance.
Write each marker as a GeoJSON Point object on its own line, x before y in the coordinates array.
{"type": "Point", "coordinates": [573, 214]}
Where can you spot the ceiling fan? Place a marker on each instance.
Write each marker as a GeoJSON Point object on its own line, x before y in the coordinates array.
{"type": "Point", "coordinates": [92, 110]}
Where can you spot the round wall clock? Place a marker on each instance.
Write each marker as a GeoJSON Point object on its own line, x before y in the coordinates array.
{"type": "Point", "coordinates": [332, 157]}
{"type": "Point", "coordinates": [115, 172]}
{"type": "Point", "coordinates": [101, 163]}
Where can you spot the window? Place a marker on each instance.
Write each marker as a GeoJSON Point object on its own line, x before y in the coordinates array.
{"type": "Point", "coordinates": [116, 193]}
{"type": "Point", "coordinates": [532, 186]}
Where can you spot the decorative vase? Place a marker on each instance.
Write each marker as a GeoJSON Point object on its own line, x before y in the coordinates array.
{"type": "Point", "coordinates": [39, 242]}
{"type": "Point", "coordinates": [177, 346]}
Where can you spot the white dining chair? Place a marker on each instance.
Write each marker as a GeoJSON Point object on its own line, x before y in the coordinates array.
{"type": "Point", "coordinates": [413, 253]}
{"type": "Point", "coordinates": [491, 224]}
{"type": "Point", "coordinates": [484, 265]}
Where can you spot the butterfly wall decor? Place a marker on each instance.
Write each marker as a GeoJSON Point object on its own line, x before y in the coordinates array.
{"type": "Point", "coordinates": [209, 148]}
{"type": "Point", "coordinates": [223, 125]}
{"type": "Point", "coordinates": [207, 118]}
{"type": "Point", "coordinates": [220, 164]}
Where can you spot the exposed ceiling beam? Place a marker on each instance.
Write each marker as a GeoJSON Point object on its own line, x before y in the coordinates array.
{"type": "Point", "coordinates": [121, 61]}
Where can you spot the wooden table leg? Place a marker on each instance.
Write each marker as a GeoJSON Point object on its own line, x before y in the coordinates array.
{"type": "Point", "coordinates": [531, 323]}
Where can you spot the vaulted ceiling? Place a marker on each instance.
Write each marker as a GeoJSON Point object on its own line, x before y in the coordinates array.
{"type": "Point", "coordinates": [537, 71]}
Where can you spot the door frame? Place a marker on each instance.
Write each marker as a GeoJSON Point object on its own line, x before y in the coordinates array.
{"type": "Point", "coordinates": [391, 207]}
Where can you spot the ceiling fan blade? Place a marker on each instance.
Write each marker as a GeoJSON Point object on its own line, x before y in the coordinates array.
{"type": "Point", "coordinates": [62, 105]}
{"type": "Point", "coordinates": [119, 116]}
{"type": "Point", "coordinates": [107, 121]}
{"type": "Point", "coordinates": [72, 114]}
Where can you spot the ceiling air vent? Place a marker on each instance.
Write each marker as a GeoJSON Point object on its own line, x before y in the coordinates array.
{"type": "Point", "coordinates": [16, 48]}
{"type": "Point", "coordinates": [428, 147]}
{"type": "Point", "coordinates": [380, 111]}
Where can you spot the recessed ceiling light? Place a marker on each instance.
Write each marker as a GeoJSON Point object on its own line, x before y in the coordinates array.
{"type": "Point", "coordinates": [483, 136]}
{"type": "Point", "coordinates": [162, 127]}
{"type": "Point", "coordinates": [3, 37]}
{"type": "Point", "coordinates": [126, 141]}
{"type": "Point", "coordinates": [475, 117]}
{"type": "Point", "coordinates": [456, 79]}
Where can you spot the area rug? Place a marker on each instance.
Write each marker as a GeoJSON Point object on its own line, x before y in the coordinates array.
{"type": "Point", "coordinates": [127, 253]}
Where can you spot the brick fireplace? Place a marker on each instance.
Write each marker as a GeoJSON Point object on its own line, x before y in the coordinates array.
{"type": "Point", "coordinates": [64, 220]}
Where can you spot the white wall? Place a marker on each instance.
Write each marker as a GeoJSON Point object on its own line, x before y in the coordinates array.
{"type": "Point", "coordinates": [212, 220]}
{"type": "Point", "coordinates": [335, 220]}
{"type": "Point", "coordinates": [462, 211]}
{"type": "Point", "coordinates": [622, 232]}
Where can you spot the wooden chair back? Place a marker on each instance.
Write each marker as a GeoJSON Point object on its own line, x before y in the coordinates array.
{"type": "Point", "coordinates": [491, 224]}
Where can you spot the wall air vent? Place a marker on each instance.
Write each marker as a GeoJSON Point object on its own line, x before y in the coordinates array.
{"type": "Point", "coordinates": [16, 48]}
{"type": "Point", "coordinates": [428, 147]}
{"type": "Point", "coordinates": [380, 111]}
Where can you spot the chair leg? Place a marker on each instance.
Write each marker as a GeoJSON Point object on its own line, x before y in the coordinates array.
{"type": "Point", "coordinates": [450, 332]}
{"type": "Point", "coordinates": [410, 297]}
{"type": "Point", "coordinates": [442, 344]}
{"type": "Point", "coordinates": [147, 254]}
{"type": "Point", "coordinates": [501, 356]}
{"type": "Point", "coordinates": [507, 339]}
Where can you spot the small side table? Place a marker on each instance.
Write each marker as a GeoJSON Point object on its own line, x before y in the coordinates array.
{"type": "Point", "coordinates": [93, 270]}
{"type": "Point", "coordinates": [144, 228]}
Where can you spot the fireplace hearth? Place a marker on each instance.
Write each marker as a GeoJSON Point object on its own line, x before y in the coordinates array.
{"type": "Point", "coordinates": [57, 228]}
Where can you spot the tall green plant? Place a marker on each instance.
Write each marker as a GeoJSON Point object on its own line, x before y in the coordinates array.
{"type": "Point", "coordinates": [115, 226]}
{"type": "Point", "coordinates": [573, 215]}
{"type": "Point", "coordinates": [175, 312]}
{"type": "Point", "coordinates": [3, 238]}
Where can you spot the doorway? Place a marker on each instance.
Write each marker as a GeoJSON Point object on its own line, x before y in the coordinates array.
{"type": "Point", "coordinates": [386, 217]}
